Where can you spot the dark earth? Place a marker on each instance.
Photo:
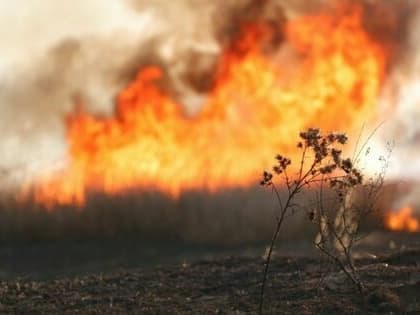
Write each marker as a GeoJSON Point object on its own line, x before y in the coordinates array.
{"type": "Point", "coordinates": [297, 284]}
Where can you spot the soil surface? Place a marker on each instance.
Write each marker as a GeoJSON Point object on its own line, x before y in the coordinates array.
{"type": "Point", "coordinates": [296, 285]}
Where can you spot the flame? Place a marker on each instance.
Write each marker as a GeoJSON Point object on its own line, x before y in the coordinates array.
{"type": "Point", "coordinates": [403, 220]}
{"type": "Point", "coordinates": [255, 108]}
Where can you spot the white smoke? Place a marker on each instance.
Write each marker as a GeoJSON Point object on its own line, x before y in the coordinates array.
{"type": "Point", "coordinates": [54, 50]}
{"type": "Point", "coordinates": [401, 108]}
{"type": "Point", "coordinates": [46, 51]}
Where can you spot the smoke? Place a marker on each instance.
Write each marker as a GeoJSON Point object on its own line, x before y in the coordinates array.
{"type": "Point", "coordinates": [51, 51]}
{"type": "Point", "coordinates": [399, 109]}
{"type": "Point", "coordinates": [401, 101]}
{"type": "Point", "coordinates": [55, 51]}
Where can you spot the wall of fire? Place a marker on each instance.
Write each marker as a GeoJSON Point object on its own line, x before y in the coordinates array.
{"type": "Point", "coordinates": [56, 55]}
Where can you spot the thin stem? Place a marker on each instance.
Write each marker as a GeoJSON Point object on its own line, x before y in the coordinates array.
{"type": "Point", "coordinates": [287, 180]}
{"type": "Point", "coordinates": [359, 137]}
{"type": "Point", "coordinates": [356, 158]}
{"type": "Point", "coordinates": [302, 161]}
{"type": "Point", "coordinates": [276, 191]}
{"type": "Point", "coordinates": [273, 240]}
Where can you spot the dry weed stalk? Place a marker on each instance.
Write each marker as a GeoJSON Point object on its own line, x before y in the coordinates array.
{"type": "Point", "coordinates": [322, 167]}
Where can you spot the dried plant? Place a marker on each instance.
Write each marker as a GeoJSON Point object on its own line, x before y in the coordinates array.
{"type": "Point", "coordinates": [338, 216]}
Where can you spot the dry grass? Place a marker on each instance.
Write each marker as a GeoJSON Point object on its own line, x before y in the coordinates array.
{"type": "Point", "coordinates": [231, 217]}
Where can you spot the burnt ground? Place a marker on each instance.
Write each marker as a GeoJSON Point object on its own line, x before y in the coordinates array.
{"type": "Point", "coordinates": [226, 285]}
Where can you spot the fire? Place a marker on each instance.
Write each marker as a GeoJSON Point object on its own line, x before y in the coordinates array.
{"type": "Point", "coordinates": [403, 220]}
{"type": "Point", "coordinates": [256, 107]}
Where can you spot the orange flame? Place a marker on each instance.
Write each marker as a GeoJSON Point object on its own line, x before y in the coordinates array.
{"type": "Point", "coordinates": [256, 108]}
{"type": "Point", "coordinates": [403, 220]}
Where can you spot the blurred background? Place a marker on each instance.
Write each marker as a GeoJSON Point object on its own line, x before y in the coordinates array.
{"type": "Point", "coordinates": [130, 126]}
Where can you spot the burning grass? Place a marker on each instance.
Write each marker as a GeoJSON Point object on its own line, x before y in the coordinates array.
{"type": "Point", "coordinates": [322, 67]}
{"type": "Point", "coordinates": [403, 220]}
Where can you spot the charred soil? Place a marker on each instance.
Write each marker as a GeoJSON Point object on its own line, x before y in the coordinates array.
{"type": "Point", "coordinates": [296, 285]}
